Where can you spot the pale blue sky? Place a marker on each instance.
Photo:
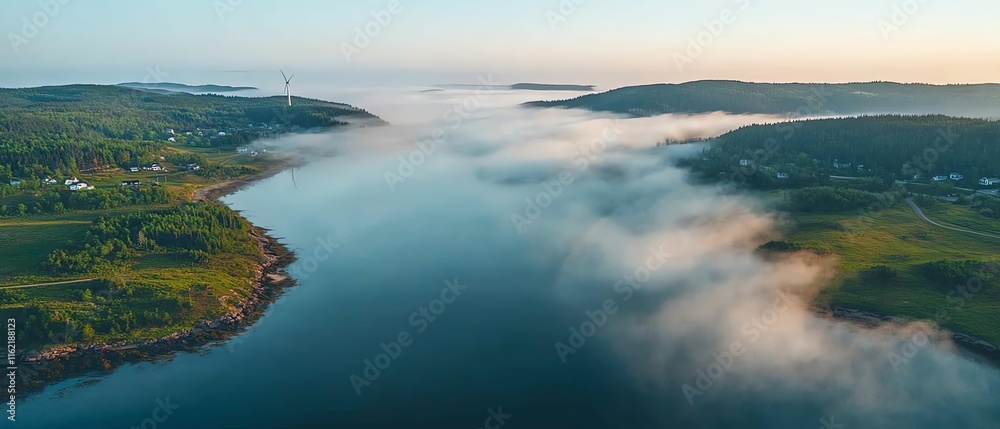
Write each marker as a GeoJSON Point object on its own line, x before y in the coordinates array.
{"type": "Point", "coordinates": [603, 42]}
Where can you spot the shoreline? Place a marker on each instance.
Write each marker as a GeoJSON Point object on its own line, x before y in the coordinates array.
{"type": "Point", "coordinates": [39, 371]}
{"type": "Point", "coordinates": [968, 345]}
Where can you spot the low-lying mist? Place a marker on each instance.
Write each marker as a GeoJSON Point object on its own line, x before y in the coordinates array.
{"type": "Point", "coordinates": [659, 276]}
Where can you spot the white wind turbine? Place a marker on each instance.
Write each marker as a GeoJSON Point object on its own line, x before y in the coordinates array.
{"type": "Point", "coordinates": [288, 85]}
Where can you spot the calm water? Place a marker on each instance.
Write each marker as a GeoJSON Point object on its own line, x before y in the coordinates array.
{"type": "Point", "coordinates": [491, 349]}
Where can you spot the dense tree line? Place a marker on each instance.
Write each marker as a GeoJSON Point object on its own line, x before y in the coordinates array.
{"type": "Point", "coordinates": [954, 273]}
{"type": "Point", "coordinates": [796, 99]}
{"type": "Point", "coordinates": [828, 199]}
{"type": "Point", "coordinates": [901, 146]}
{"type": "Point", "coordinates": [218, 171]}
{"type": "Point", "coordinates": [197, 229]}
{"type": "Point", "coordinates": [58, 130]}
{"type": "Point", "coordinates": [54, 201]}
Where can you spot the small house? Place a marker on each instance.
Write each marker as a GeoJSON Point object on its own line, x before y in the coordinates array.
{"type": "Point", "coordinates": [194, 167]}
{"type": "Point", "coordinates": [155, 167]}
{"type": "Point", "coordinates": [939, 178]}
{"type": "Point", "coordinates": [49, 181]}
{"type": "Point", "coordinates": [956, 176]}
{"type": "Point", "coordinates": [133, 170]}
{"type": "Point", "coordinates": [989, 181]}
{"type": "Point", "coordinates": [71, 181]}
{"type": "Point", "coordinates": [15, 182]}
{"type": "Point", "coordinates": [744, 162]}
{"type": "Point", "coordinates": [840, 165]}
{"type": "Point", "coordinates": [79, 186]}
{"type": "Point", "coordinates": [242, 149]}
{"type": "Point", "coordinates": [782, 176]}
{"type": "Point", "coordinates": [131, 183]}
{"type": "Point", "coordinates": [222, 134]}
{"type": "Point", "coordinates": [172, 140]}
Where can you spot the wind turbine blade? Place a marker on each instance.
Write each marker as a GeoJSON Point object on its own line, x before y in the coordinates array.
{"type": "Point", "coordinates": [283, 75]}
{"type": "Point", "coordinates": [290, 79]}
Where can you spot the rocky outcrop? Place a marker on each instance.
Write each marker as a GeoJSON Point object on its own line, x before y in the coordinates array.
{"type": "Point", "coordinates": [973, 344]}
{"type": "Point", "coordinates": [59, 363]}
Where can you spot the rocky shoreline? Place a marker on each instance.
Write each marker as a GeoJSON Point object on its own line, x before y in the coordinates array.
{"type": "Point", "coordinates": [36, 371]}
{"type": "Point", "coordinates": [976, 346]}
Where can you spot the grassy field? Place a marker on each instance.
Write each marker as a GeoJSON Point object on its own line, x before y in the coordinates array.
{"type": "Point", "coordinates": [167, 292]}
{"type": "Point", "coordinates": [897, 238]}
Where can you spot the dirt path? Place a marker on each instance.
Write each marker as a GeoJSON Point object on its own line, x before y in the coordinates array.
{"type": "Point", "coordinates": [47, 284]}
{"type": "Point", "coordinates": [920, 213]}
{"type": "Point", "coordinates": [211, 192]}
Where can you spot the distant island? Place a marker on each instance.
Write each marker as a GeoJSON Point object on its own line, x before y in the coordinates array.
{"type": "Point", "coordinates": [821, 99]}
{"type": "Point", "coordinates": [551, 87]}
{"type": "Point", "coordinates": [524, 87]}
{"type": "Point", "coordinates": [180, 87]}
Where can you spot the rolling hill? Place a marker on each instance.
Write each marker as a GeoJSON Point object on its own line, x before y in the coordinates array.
{"type": "Point", "coordinates": [982, 100]}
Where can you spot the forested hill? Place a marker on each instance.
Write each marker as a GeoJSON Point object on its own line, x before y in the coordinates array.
{"type": "Point", "coordinates": [805, 99]}
{"type": "Point", "coordinates": [65, 129]}
{"type": "Point", "coordinates": [900, 146]}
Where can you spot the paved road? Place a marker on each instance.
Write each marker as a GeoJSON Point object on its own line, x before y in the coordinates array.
{"type": "Point", "coordinates": [47, 284]}
{"type": "Point", "coordinates": [924, 217]}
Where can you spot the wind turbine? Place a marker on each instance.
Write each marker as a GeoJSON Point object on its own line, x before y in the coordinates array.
{"type": "Point", "coordinates": [288, 85]}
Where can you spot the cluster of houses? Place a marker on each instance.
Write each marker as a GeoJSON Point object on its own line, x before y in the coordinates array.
{"type": "Point", "coordinates": [985, 181]}
{"type": "Point", "coordinates": [73, 183]}
{"type": "Point", "coordinates": [244, 149]}
{"type": "Point", "coordinates": [153, 167]}
{"type": "Point", "coordinates": [779, 175]}
{"type": "Point", "coordinates": [76, 185]}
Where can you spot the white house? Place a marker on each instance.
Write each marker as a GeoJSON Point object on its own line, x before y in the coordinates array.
{"type": "Point", "coordinates": [133, 169]}
{"type": "Point", "coordinates": [172, 140]}
{"type": "Point", "coordinates": [744, 162]}
{"type": "Point", "coordinates": [838, 164]}
{"type": "Point", "coordinates": [989, 181]}
{"type": "Point", "coordinates": [782, 175]}
{"type": "Point", "coordinates": [939, 178]}
{"type": "Point", "coordinates": [79, 186]}
{"type": "Point", "coordinates": [50, 181]}
{"type": "Point", "coordinates": [15, 182]}
{"type": "Point", "coordinates": [71, 181]}
{"type": "Point", "coordinates": [222, 134]}
{"type": "Point", "coordinates": [956, 176]}
{"type": "Point", "coordinates": [155, 167]}
{"type": "Point", "coordinates": [242, 149]}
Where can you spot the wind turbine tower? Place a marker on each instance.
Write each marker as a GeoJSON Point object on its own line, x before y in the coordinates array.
{"type": "Point", "coordinates": [288, 86]}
